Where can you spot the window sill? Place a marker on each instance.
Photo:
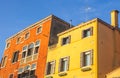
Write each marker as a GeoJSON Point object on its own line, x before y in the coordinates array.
{"type": "Point", "coordinates": [49, 76]}
{"type": "Point", "coordinates": [86, 68]}
{"type": "Point", "coordinates": [62, 74]}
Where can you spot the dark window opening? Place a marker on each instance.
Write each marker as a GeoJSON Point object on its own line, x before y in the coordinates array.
{"type": "Point", "coordinates": [66, 40]}
{"type": "Point", "coordinates": [87, 32]}
{"type": "Point", "coordinates": [15, 56]}
{"type": "Point", "coordinates": [11, 76]}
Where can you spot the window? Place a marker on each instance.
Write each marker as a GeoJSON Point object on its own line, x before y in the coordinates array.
{"type": "Point", "coordinates": [11, 76]}
{"type": "Point", "coordinates": [33, 66]}
{"type": "Point", "coordinates": [7, 45]}
{"type": "Point", "coordinates": [27, 35]}
{"type": "Point", "coordinates": [27, 68]}
{"type": "Point", "coordinates": [24, 51]}
{"type": "Point", "coordinates": [87, 32]}
{"type": "Point", "coordinates": [18, 40]}
{"type": "Point", "coordinates": [37, 44]}
{"type": "Point", "coordinates": [66, 40]}
{"type": "Point", "coordinates": [20, 70]}
{"type": "Point", "coordinates": [4, 60]}
{"type": "Point", "coordinates": [15, 56]}
{"type": "Point", "coordinates": [39, 29]}
{"type": "Point", "coordinates": [64, 64]}
{"type": "Point", "coordinates": [50, 69]}
{"type": "Point", "coordinates": [32, 72]}
{"type": "Point", "coordinates": [86, 58]}
{"type": "Point", "coordinates": [30, 49]}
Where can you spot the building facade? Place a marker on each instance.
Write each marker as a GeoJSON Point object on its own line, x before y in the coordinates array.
{"type": "Point", "coordinates": [26, 52]}
{"type": "Point", "coordinates": [89, 50]}
{"type": "Point", "coordinates": [51, 48]}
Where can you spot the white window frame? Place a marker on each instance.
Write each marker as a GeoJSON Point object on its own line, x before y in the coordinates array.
{"type": "Point", "coordinates": [52, 71]}
{"type": "Point", "coordinates": [30, 48]}
{"type": "Point", "coordinates": [4, 61]}
{"type": "Point", "coordinates": [91, 32]}
{"type": "Point", "coordinates": [26, 34]}
{"type": "Point", "coordinates": [82, 58]}
{"type": "Point", "coordinates": [21, 71]}
{"type": "Point", "coordinates": [67, 58]}
{"type": "Point", "coordinates": [18, 40]}
{"type": "Point", "coordinates": [38, 28]}
{"type": "Point", "coordinates": [7, 46]}
{"type": "Point", "coordinates": [38, 45]}
{"type": "Point", "coordinates": [68, 40]}
{"type": "Point", "coordinates": [24, 51]}
{"type": "Point", "coordinates": [35, 66]}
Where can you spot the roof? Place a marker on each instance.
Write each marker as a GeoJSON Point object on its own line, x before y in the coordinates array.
{"type": "Point", "coordinates": [33, 25]}
{"type": "Point", "coordinates": [85, 23]}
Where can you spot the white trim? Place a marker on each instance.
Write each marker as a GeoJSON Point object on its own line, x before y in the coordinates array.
{"type": "Point", "coordinates": [25, 35]}
{"type": "Point", "coordinates": [37, 29]}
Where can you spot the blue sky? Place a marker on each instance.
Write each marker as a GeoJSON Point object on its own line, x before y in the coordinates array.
{"type": "Point", "coordinates": [15, 15]}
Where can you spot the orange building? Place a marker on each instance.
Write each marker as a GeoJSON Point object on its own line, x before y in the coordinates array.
{"type": "Point", "coordinates": [25, 53]}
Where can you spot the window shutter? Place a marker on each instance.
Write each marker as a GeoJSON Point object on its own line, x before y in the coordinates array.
{"type": "Point", "coordinates": [69, 39]}
{"type": "Point", "coordinates": [59, 67]}
{"type": "Point", "coordinates": [83, 34]}
{"type": "Point", "coordinates": [46, 69]}
{"type": "Point", "coordinates": [91, 59]}
{"type": "Point", "coordinates": [54, 67]}
{"type": "Point", "coordinates": [68, 60]}
{"type": "Point", "coordinates": [81, 59]}
{"type": "Point", "coordinates": [91, 31]}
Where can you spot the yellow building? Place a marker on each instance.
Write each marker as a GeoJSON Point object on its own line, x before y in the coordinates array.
{"type": "Point", "coordinates": [114, 74]}
{"type": "Point", "coordinates": [89, 50]}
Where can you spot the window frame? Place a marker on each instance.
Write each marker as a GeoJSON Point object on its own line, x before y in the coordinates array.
{"type": "Point", "coordinates": [52, 67]}
{"type": "Point", "coordinates": [38, 32]}
{"type": "Point", "coordinates": [86, 30]}
{"type": "Point", "coordinates": [10, 75]}
{"type": "Point", "coordinates": [18, 40]}
{"type": "Point", "coordinates": [29, 49]}
{"type": "Point", "coordinates": [4, 61]}
{"type": "Point", "coordinates": [24, 51]}
{"type": "Point", "coordinates": [15, 56]}
{"type": "Point", "coordinates": [27, 35]}
{"type": "Point", "coordinates": [67, 40]}
{"type": "Point", "coordinates": [21, 71]}
{"type": "Point", "coordinates": [7, 45]}
{"type": "Point", "coordinates": [82, 58]}
{"type": "Point", "coordinates": [37, 46]}
{"type": "Point", "coordinates": [60, 64]}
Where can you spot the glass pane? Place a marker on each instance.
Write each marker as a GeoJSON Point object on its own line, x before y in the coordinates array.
{"type": "Point", "coordinates": [25, 48]}
{"type": "Point", "coordinates": [20, 70]}
{"type": "Point", "coordinates": [31, 45]}
{"type": "Point", "coordinates": [26, 68]}
{"type": "Point", "coordinates": [33, 66]}
{"type": "Point", "coordinates": [87, 59]}
{"type": "Point", "coordinates": [37, 43]}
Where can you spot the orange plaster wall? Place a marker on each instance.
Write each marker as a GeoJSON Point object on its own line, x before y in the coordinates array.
{"type": "Point", "coordinates": [44, 39]}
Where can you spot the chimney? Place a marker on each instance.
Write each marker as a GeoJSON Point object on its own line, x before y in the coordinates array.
{"type": "Point", "coordinates": [114, 18]}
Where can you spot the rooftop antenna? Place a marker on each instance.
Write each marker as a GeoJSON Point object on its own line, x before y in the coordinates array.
{"type": "Point", "coordinates": [70, 23]}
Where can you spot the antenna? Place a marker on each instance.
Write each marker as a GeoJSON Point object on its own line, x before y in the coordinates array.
{"type": "Point", "coordinates": [70, 23]}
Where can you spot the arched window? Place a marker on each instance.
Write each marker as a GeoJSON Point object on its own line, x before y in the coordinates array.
{"type": "Point", "coordinates": [24, 51]}
{"type": "Point", "coordinates": [37, 44]}
{"type": "Point", "coordinates": [30, 49]}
